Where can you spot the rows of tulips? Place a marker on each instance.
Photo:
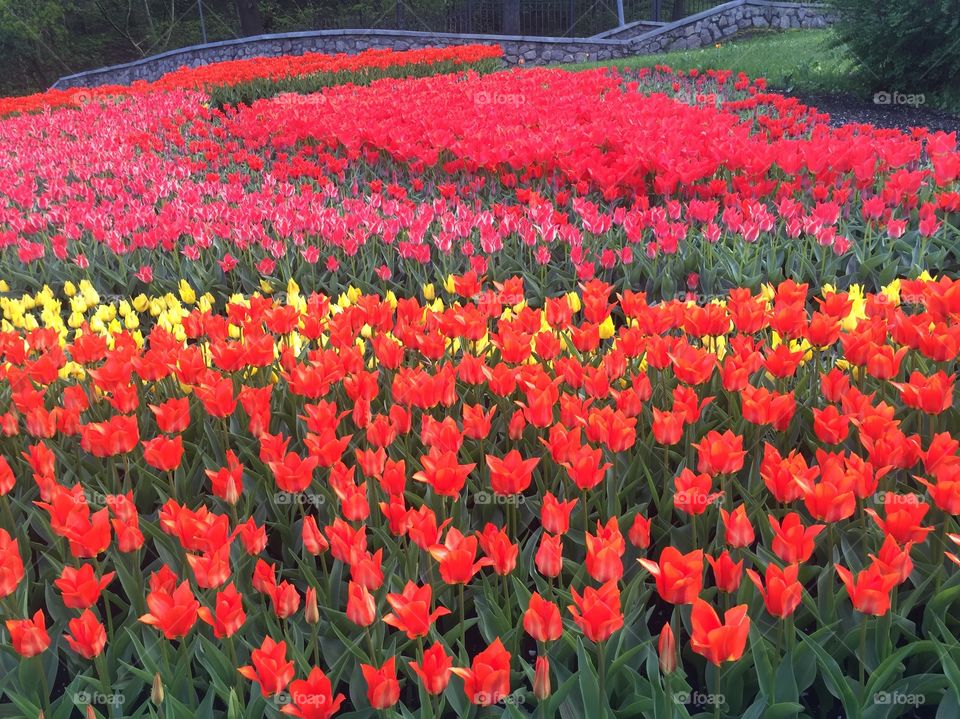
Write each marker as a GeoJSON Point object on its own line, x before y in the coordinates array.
{"type": "Point", "coordinates": [220, 77]}
{"type": "Point", "coordinates": [637, 178]}
{"type": "Point", "coordinates": [464, 500]}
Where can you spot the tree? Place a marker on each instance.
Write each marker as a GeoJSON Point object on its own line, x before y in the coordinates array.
{"type": "Point", "coordinates": [251, 22]}
{"type": "Point", "coordinates": [679, 10]}
{"type": "Point", "coordinates": [511, 17]}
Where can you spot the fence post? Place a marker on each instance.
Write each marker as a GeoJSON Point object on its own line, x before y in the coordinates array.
{"type": "Point", "coordinates": [656, 10]}
{"type": "Point", "coordinates": [620, 18]}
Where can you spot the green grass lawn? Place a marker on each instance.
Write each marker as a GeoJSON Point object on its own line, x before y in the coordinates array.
{"type": "Point", "coordinates": [801, 61]}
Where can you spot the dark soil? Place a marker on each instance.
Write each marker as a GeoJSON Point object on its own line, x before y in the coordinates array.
{"type": "Point", "coordinates": [844, 109]}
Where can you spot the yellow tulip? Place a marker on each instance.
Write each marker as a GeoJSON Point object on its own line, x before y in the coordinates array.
{"type": "Point", "coordinates": [187, 293]}
{"type": "Point", "coordinates": [607, 330]}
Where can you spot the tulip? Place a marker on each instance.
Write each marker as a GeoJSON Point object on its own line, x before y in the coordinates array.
{"type": "Point", "coordinates": [456, 557]}
{"type": "Point", "coordinates": [512, 474]}
{"type": "Point", "coordinates": [541, 678]}
{"type": "Point", "coordinates": [312, 698]}
{"type": "Point", "coordinates": [173, 613]}
{"type": "Point", "coordinates": [738, 530]}
{"type": "Point", "coordinates": [434, 670]}
{"type": "Point", "coordinates": [792, 542]}
{"type": "Point", "coordinates": [361, 608]}
{"type": "Point", "coordinates": [667, 650]}
{"type": "Point", "coordinates": [29, 636]}
{"type": "Point", "coordinates": [604, 550]}
{"type": "Point", "coordinates": [719, 642]}
{"type": "Point", "coordinates": [726, 572]}
{"type": "Point", "coordinates": [542, 619]}
{"type": "Point", "coordinates": [411, 610]}
{"type": "Point", "coordinates": [87, 636]}
{"type": "Point", "coordinates": [597, 612]}
{"type": "Point", "coordinates": [270, 668]}
{"type": "Point", "coordinates": [227, 616]}
{"type": "Point", "coordinates": [679, 577]}
{"type": "Point", "coordinates": [311, 612]}
{"type": "Point", "coordinates": [555, 515]}
{"type": "Point", "coordinates": [80, 588]}
{"type": "Point", "coordinates": [549, 556]}
{"type": "Point", "coordinates": [487, 681]}
{"type": "Point", "coordinates": [870, 590]}
{"type": "Point", "coordinates": [383, 689]}
{"type": "Point", "coordinates": [783, 591]}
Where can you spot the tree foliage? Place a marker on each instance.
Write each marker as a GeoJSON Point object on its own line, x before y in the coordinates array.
{"type": "Point", "coordinates": [907, 46]}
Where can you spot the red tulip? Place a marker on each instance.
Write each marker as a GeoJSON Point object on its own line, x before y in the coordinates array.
{"type": "Point", "coordinates": [679, 577]}
{"type": "Point", "coordinates": [870, 590]}
{"type": "Point", "coordinates": [173, 613]}
{"type": "Point", "coordinates": [87, 636]}
{"type": "Point", "coordinates": [783, 592]}
{"type": "Point", "coordinates": [227, 616]}
{"type": "Point", "coordinates": [549, 556]}
{"type": "Point", "coordinates": [792, 542]}
{"type": "Point", "coordinates": [541, 678]}
{"type": "Point", "coordinates": [383, 689]}
{"type": "Point", "coordinates": [29, 636]}
{"type": "Point", "coordinates": [456, 557]}
{"type": "Point", "coordinates": [411, 610]}
{"type": "Point", "coordinates": [80, 588]}
{"type": "Point", "coordinates": [163, 453]}
{"type": "Point", "coordinates": [434, 670]}
{"type": "Point", "coordinates": [512, 474]}
{"type": "Point", "coordinates": [726, 572]}
{"type": "Point", "coordinates": [597, 612]}
{"type": "Point", "coordinates": [271, 670]}
{"type": "Point", "coordinates": [487, 682]}
{"type": "Point", "coordinates": [719, 642]}
{"type": "Point", "coordinates": [667, 650]}
{"type": "Point", "coordinates": [312, 698]}
{"type": "Point", "coordinates": [720, 453]}
{"type": "Point", "coordinates": [11, 564]}
{"type": "Point", "coordinates": [555, 515]}
{"type": "Point", "coordinates": [361, 608]}
{"type": "Point", "coordinates": [604, 550]}
{"type": "Point", "coordinates": [738, 530]}
{"type": "Point", "coordinates": [639, 533]}
{"type": "Point", "coordinates": [542, 619]}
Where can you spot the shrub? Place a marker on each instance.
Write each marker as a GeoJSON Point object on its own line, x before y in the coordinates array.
{"type": "Point", "coordinates": [907, 45]}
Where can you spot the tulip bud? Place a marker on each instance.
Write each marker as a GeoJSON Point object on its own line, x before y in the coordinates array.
{"type": "Point", "coordinates": [541, 678]}
{"type": "Point", "coordinates": [311, 612]}
{"type": "Point", "coordinates": [667, 649]}
{"type": "Point", "coordinates": [156, 692]}
{"type": "Point", "coordinates": [90, 714]}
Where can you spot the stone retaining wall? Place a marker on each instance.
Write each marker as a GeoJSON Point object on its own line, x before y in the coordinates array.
{"type": "Point", "coordinates": [634, 39]}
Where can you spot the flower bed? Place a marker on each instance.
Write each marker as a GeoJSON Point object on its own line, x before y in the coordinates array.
{"type": "Point", "coordinates": [241, 79]}
{"type": "Point", "coordinates": [309, 503]}
{"type": "Point", "coordinates": [535, 393]}
{"type": "Point", "coordinates": [639, 180]}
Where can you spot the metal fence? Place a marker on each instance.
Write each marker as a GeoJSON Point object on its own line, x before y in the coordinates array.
{"type": "Point", "coordinates": [552, 18]}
